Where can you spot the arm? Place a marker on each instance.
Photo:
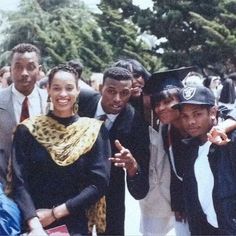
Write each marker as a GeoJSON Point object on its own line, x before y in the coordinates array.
{"type": "Point", "coordinates": [20, 174]}
{"type": "Point", "coordinates": [218, 134]}
{"type": "Point", "coordinates": [133, 155]}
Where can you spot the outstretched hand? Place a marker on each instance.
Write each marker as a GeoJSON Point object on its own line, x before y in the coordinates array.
{"type": "Point", "coordinates": [218, 136]}
{"type": "Point", "coordinates": [124, 159]}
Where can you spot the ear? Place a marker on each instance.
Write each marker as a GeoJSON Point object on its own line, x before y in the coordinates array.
{"type": "Point", "coordinates": [213, 113]}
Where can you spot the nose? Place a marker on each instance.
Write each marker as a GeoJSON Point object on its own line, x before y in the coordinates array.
{"type": "Point", "coordinates": [117, 97]}
{"type": "Point", "coordinates": [160, 107]}
{"type": "Point", "coordinates": [63, 93]}
{"type": "Point", "coordinates": [24, 72]}
{"type": "Point", "coordinates": [191, 121]}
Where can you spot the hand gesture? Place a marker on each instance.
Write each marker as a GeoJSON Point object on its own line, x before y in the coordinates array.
{"type": "Point", "coordinates": [217, 136]}
{"type": "Point", "coordinates": [124, 159]}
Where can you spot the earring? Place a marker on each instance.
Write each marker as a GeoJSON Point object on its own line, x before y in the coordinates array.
{"type": "Point", "coordinates": [49, 106]}
{"type": "Point", "coordinates": [75, 108]}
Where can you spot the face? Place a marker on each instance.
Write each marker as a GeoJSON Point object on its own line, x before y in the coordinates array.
{"type": "Point", "coordinates": [25, 71]}
{"type": "Point", "coordinates": [137, 86]}
{"type": "Point", "coordinates": [197, 121]}
{"type": "Point", "coordinates": [63, 93]}
{"type": "Point", "coordinates": [165, 112]}
{"type": "Point", "coordinates": [115, 95]}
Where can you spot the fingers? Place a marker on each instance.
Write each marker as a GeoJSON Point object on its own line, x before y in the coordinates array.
{"type": "Point", "coordinates": [218, 136]}
{"type": "Point", "coordinates": [118, 145]}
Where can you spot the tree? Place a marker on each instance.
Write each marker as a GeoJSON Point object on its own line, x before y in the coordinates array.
{"type": "Point", "coordinates": [62, 31]}
{"type": "Point", "coordinates": [122, 34]}
{"type": "Point", "coordinates": [198, 32]}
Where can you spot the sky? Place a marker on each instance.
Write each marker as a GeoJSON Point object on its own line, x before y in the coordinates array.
{"type": "Point", "coordinates": [12, 4]}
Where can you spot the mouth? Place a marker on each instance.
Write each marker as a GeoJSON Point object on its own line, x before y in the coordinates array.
{"type": "Point", "coordinates": [63, 102]}
{"type": "Point", "coordinates": [192, 130]}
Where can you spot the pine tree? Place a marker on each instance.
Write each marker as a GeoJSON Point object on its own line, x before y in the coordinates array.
{"type": "Point", "coordinates": [62, 31]}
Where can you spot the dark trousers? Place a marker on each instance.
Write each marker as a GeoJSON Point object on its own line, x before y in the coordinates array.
{"type": "Point", "coordinates": [200, 226]}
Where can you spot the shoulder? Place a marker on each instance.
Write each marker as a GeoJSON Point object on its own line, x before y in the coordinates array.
{"type": "Point", "coordinates": [5, 94]}
{"type": "Point", "coordinates": [88, 93]}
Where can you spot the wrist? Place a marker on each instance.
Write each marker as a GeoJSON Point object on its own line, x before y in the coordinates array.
{"type": "Point", "coordinates": [54, 214]}
{"type": "Point", "coordinates": [133, 170]}
{"type": "Point", "coordinates": [34, 223]}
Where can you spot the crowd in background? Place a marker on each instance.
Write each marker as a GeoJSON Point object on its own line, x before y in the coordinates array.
{"type": "Point", "coordinates": [67, 148]}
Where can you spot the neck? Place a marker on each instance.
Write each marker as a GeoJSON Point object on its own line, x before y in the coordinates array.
{"type": "Point", "coordinates": [62, 115]}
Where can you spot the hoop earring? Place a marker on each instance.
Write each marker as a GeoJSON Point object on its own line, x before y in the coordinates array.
{"type": "Point", "coordinates": [49, 106]}
{"type": "Point", "coordinates": [75, 108]}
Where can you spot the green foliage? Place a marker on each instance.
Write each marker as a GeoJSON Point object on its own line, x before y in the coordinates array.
{"type": "Point", "coordinates": [198, 32]}
{"type": "Point", "coordinates": [119, 31]}
{"type": "Point", "coordinates": [63, 30]}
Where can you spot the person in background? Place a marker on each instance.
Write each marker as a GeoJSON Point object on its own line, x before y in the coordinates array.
{"type": "Point", "coordinates": [78, 66]}
{"type": "Point", "coordinates": [4, 75]}
{"type": "Point", "coordinates": [213, 83]}
{"type": "Point", "coordinates": [140, 77]}
{"type": "Point", "coordinates": [129, 142]}
{"type": "Point", "coordinates": [193, 79]}
{"type": "Point", "coordinates": [227, 95]}
{"type": "Point", "coordinates": [60, 162]}
{"type": "Point", "coordinates": [209, 176]}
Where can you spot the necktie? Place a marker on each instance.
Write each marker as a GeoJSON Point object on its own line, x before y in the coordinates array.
{"type": "Point", "coordinates": [103, 117]}
{"type": "Point", "coordinates": [24, 110]}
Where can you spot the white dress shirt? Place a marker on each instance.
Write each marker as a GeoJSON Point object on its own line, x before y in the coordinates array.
{"type": "Point", "coordinates": [36, 103]}
{"type": "Point", "coordinates": [205, 183]}
{"type": "Point", "coordinates": [110, 117]}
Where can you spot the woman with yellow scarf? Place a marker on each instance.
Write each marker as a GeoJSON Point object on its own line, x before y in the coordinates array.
{"type": "Point", "coordinates": [60, 163]}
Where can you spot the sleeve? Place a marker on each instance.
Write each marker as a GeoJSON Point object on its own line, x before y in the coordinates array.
{"type": "Point", "coordinates": [138, 185]}
{"type": "Point", "coordinates": [232, 114]}
{"type": "Point", "coordinates": [21, 141]}
{"type": "Point", "coordinates": [176, 193]}
{"type": "Point", "coordinates": [98, 174]}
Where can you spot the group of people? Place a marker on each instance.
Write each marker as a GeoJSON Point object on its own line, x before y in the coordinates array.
{"type": "Point", "coordinates": [67, 151]}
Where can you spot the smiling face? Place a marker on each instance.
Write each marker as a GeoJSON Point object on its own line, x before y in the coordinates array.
{"type": "Point", "coordinates": [63, 92]}
{"type": "Point", "coordinates": [165, 112]}
{"type": "Point", "coordinates": [137, 86]}
{"type": "Point", "coordinates": [115, 95]}
{"type": "Point", "coordinates": [25, 71]}
{"type": "Point", "coordinates": [197, 120]}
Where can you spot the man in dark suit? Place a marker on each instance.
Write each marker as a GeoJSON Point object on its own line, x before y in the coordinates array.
{"type": "Point", "coordinates": [129, 142]}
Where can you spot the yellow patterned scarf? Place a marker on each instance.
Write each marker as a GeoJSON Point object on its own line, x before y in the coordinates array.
{"type": "Point", "coordinates": [66, 144]}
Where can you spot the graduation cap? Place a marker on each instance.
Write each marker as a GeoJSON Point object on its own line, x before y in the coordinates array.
{"type": "Point", "coordinates": [160, 81]}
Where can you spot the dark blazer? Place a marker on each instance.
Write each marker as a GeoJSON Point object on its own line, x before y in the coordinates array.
{"type": "Point", "coordinates": [131, 130]}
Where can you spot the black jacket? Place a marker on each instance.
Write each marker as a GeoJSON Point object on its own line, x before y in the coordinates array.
{"type": "Point", "coordinates": [130, 129]}
{"type": "Point", "coordinates": [223, 165]}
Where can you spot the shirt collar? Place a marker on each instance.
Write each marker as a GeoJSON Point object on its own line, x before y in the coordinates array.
{"type": "Point", "coordinates": [20, 97]}
{"type": "Point", "coordinates": [101, 112]}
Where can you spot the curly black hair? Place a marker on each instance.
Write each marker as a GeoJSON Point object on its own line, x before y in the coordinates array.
{"type": "Point", "coordinates": [62, 67]}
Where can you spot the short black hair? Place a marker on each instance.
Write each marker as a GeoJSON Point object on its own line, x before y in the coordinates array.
{"type": "Point", "coordinates": [62, 67]}
{"type": "Point", "coordinates": [77, 65]}
{"type": "Point", "coordinates": [168, 93]}
{"type": "Point", "coordinates": [117, 73]}
{"type": "Point", "coordinates": [25, 47]}
{"type": "Point", "coordinates": [134, 66]}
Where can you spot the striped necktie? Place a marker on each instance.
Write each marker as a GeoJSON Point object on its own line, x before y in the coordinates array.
{"type": "Point", "coordinates": [24, 110]}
